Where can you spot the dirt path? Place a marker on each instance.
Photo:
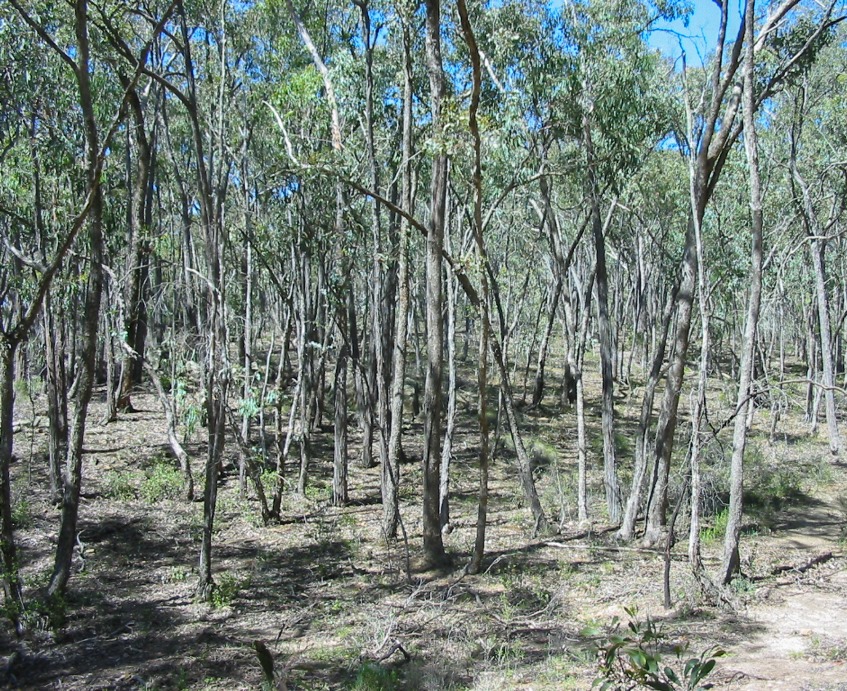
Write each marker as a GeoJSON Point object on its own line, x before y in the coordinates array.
{"type": "Point", "coordinates": [794, 633]}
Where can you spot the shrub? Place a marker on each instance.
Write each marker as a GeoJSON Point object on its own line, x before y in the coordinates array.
{"type": "Point", "coordinates": [631, 657]}
{"type": "Point", "coordinates": [120, 485]}
{"type": "Point", "coordinates": [373, 677]}
{"type": "Point", "coordinates": [226, 590]}
{"type": "Point", "coordinates": [22, 513]}
{"type": "Point", "coordinates": [163, 481]}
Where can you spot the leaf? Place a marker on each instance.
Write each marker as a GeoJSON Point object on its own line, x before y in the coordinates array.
{"type": "Point", "coordinates": [701, 672]}
{"type": "Point", "coordinates": [639, 659]}
{"type": "Point", "coordinates": [658, 685]}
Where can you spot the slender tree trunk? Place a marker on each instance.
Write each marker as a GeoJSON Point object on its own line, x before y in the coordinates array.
{"type": "Point", "coordinates": [12, 590]}
{"type": "Point", "coordinates": [447, 449]}
{"type": "Point", "coordinates": [482, 366]}
{"type": "Point", "coordinates": [627, 529]}
{"type": "Point", "coordinates": [339, 472]}
{"type": "Point", "coordinates": [72, 476]}
{"type": "Point", "coordinates": [666, 426]}
{"type": "Point", "coordinates": [378, 381]}
{"type": "Point", "coordinates": [390, 500]}
{"type": "Point", "coordinates": [699, 406]}
{"type": "Point", "coordinates": [173, 438]}
{"type": "Point", "coordinates": [57, 395]}
{"type": "Point", "coordinates": [610, 473]}
{"type": "Point", "coordinates": [575, 360]}
{"type": "Point", "coordinates": [543, 348]}
{"type": "Point", "coordinates": [739, 437]}
{"type": "Point", "coordinates": [432, 542]}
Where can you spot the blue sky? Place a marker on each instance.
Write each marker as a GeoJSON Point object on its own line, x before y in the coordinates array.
{"type": "Point", "coordinates": [698, 38]}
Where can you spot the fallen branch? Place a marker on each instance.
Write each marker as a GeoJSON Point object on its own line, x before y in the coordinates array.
{"type": "Point", "coordinates": [397, 645]}
{"type": "Point", "coordinates": [812, 562]}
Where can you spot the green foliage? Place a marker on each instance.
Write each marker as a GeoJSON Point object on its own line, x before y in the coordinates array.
{"type": "Point", "coordinates": [163, 481]}
{"type": "Point", "coordinates": [632, 657]}
{"type": "Point", "coordinates": [120, 485]}
{"type": "Point", "coordinates": [717, 530]}
{"type": "Point", "coordinates": [22, 512]}
{"type": "Point", "coordinates": [176, 574]}
{"type": "Point", "coordinates": [190, 407]}
{"type": "Point", "coordinates": [743, 585]}
{"type": "Point", "coordinates": [226, 590]}
{"type": "Point", "coordinates": [773, 488]}
{"type": "Point", "coordinates": [373, 677]}
{"type": "Point", "coordinates": [45, 613]}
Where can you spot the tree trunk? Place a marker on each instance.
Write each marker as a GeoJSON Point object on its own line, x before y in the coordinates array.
{"type": "Point", "coordinates": [432, 542]}
{"type": "Point", "coordinates": [627, 529]}
{"type": "Point", "coordinates": [137, 253]}
{"type": "Point", "coordinates": [447, 449]}
{"type": "Point", "coordinates": [12, 591]}
{"type": "Point", "coordinates": [72, 476]}
{"type": "Point", "coordinates": [552, 306]}
{"type": "Point", "coordinates": [57, 395]}
{"type": "Point", "coordinates": [339, 468]}
{"type": "Point", "coordinates": [390, 499]}
{"type": "Point", "coordinates": [610, 473]}
{"type": "Point", "coordinates": [731, 560]}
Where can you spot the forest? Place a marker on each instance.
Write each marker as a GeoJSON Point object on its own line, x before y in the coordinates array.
{"type": "Point", "coordinates": [389, 344]}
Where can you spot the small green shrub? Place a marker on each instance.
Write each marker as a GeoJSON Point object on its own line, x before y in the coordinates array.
{"type": "Point", "coordinates": [22, 513]}
{"type": "Point", "coordinates": [743, 586]}
{"type": "Point", "coordinates": [226, 590]}
{"type": "Point", "coordinates": [45, 614]}
{"type": "Point", "coordinates": [542, 454]}
{"type": "Point", "coordinates": [270, 478]}
{"type": "Point", "coordinates": [163, 481]}
{"type": "Point", "coordinates": [373, 677]}
{"type": "Point", "coordinates": [120, 485]}
{"type": "Point", "coordinates": [318, 491]}
{"type": "Point", "coordinates": [630, 657]}
{"type": "Point", "coordinates": [176, 574]}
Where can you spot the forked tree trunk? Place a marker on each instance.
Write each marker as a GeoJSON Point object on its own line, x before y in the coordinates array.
{"type": "Point", "coordinates": [633, 504]}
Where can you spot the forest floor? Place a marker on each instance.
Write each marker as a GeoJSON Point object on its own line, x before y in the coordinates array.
{"type": "Point", "coordinates": [329, 596]}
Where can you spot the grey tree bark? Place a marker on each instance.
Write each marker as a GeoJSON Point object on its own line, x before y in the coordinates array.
{"type": "Point", "coordinates": [432, 542]}
{"type": "Point", "coordinates": [739, 437]}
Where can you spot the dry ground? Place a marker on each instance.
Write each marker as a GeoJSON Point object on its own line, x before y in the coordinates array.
{"type": "Point", "coordinates": [327, 595]}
